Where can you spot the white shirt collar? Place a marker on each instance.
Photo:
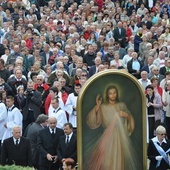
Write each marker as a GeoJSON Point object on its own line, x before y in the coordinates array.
{"type": "Point", "coordinates": [155, 139]}
{"type": "Point", "coordinates": [145, 80]}
{"type": "Point", "coordinates": [70, 135]}
{"type": "Point", "coordinates": [10, 108]}
{"type": "Point", "coordinates": [51, 130]}
{"type": "Point", "coordinates": [41, 125]}
{"type": "Point", "coordinates": [56, 109]}
{"type": "Point", "coordinates": [14, 139]}
{"type": "Point", "coordinates": [18, 79]}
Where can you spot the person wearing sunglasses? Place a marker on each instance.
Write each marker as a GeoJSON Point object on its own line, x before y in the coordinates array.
{"type": "Point", "coordinates": [158, 150]}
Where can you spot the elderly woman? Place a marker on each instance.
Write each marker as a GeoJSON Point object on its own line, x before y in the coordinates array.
{"type": "Point", "coordinates": [143, 46]}
{"type": "Point", "coordinates": [154, 109]}
{"type": "Point", "coordinates": [158, 150]}
{"type": "Point", "coordinates": [146, 52]}
{"type": "Point", "coordinates": [117, 62]}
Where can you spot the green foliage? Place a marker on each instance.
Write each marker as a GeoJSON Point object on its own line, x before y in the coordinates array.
{"type": "Point", "coordinates": [14, 167]}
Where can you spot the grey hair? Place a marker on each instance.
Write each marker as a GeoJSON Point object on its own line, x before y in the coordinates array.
{"type": "Point", "coordinates": [160, 129]}
{"type": "Point", "coordinates": [19, 88]}
{"type": "Point", "coordinates": [41, 118]}
{"type": "Point", "coordinates": [40, 75]}
{"type": "Point", "coordinates": [16, 126]}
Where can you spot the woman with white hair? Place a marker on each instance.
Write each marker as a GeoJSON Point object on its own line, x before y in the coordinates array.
{"type": "Point", "coordinates": [143, 47]}
{"type": "Point", "coordinates": [158, 150]}
{"type": "Point", "coordinates": [20, 98]}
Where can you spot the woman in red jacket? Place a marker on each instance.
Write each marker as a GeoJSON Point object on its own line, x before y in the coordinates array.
{"type": "Point", "coordinates": [128, 31]}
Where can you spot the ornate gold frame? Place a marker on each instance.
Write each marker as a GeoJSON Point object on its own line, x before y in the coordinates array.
{"type": "Point", "coordinates": [97, 76]}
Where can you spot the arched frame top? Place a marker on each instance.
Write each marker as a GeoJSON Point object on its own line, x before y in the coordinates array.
{"type": "Point", "coordinates": [131, 93]}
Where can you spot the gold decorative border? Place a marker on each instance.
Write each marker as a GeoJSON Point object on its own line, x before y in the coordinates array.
{"type": "Point", "coordinates": [123, 73]}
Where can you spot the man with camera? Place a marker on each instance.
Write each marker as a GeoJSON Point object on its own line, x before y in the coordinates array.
{"type": "Point", "coordinates": [31, 109]}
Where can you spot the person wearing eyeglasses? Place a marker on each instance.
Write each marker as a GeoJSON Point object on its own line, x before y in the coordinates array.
{"type": "Point", "coordinates": [158, 150]}
{"type": "Point", "coordinates": [155, 73]}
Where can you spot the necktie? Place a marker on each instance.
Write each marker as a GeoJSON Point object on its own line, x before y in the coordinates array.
{"type": "Point", "coordinates": [17, 142]}
{"type": "Point", "coordinates": [53, 134]}
{"type": "Point", "coordinates": [67, 141]}
{"type": "Point", "coordinates": [54, 111]}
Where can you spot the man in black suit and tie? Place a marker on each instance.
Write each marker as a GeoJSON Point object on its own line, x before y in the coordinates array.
{"type": "Point", "coordinates": [47, 144]}
{"type": "Point", "coordinates": [120, 34]}
{"type": "Point", "coordinates": [16, 150]}
{"type": "Point", "coordinates": [67, 147]}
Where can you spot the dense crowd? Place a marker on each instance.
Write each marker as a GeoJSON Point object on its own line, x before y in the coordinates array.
{"type": "Point", "coordinates": [50, 48]}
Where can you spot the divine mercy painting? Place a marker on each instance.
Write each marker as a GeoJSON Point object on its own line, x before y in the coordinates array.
{"type": "Point", "coordinates": [111, 123]}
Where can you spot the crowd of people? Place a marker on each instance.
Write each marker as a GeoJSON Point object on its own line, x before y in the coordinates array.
{"type": "Point", "coordinates": [50, 48]}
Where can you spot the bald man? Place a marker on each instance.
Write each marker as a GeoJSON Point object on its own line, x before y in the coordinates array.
{"type": "Point", "coordinates": [48, 139]}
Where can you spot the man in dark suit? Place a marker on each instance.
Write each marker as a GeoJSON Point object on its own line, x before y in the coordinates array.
{"type": "Point", "coordinates": [165, 68]}
{"type": "Point", "coordinates": [120, 34]}
{"type": "Point", "coordinates": [31, 110]}
{"type": "Point", "coordinates": [17, 80]}
{"type": "Point", "coordinates": [47, 144]}
{"type": "Point", "coordinates": [89, 56]}
{"type": "Point", "coordinates": [32, 134]}
{"type": "Point", "coordinates": [16, 150]}
{"type": "Point", "coordinates": [67, 147]}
